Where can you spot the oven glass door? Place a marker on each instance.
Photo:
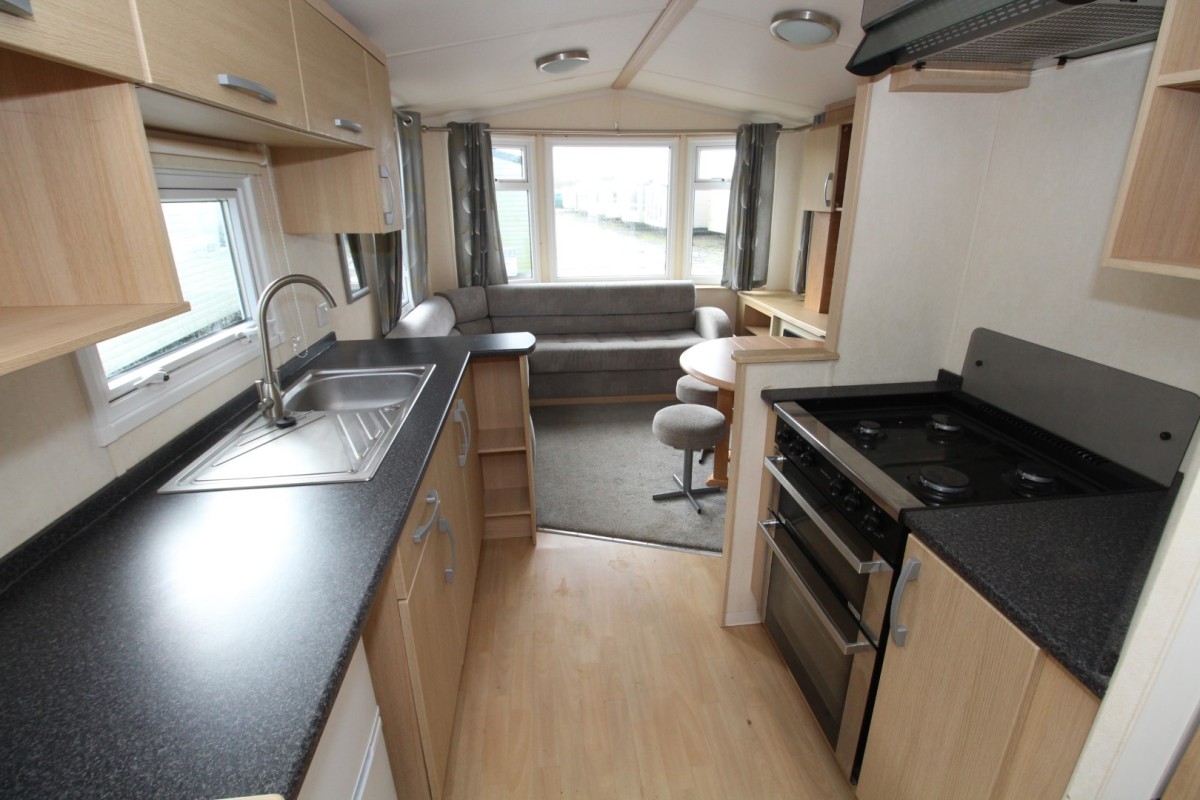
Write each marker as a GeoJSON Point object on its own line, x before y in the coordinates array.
{"type": "Point", "coordinates": [816, 634]}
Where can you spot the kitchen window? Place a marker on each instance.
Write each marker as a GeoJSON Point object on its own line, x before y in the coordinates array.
{"type": "Point", "coordinates": [211, 224]}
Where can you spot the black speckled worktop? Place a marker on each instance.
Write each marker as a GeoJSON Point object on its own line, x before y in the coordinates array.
{"type": "Point", "coordinates": [1067, 572]}
{"type": "Point", "coordinates": [191, 645]}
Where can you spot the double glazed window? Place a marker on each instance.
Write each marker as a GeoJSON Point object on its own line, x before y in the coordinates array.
{"type": "Point", "coordinates": [613, 209]}
{"type": "Point", "coordinates": [210, 222]}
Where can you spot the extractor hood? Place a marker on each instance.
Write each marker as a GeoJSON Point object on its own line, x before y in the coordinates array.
{"type": "Point", "coordinates": [1012, 34]}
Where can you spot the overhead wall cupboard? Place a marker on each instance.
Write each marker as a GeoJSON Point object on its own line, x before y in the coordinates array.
{"type": "Point", "coordinates": [85, 255]}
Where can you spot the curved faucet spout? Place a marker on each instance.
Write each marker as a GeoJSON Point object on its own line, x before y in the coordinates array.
{"type": "Point", "coordinates": [270, 396]}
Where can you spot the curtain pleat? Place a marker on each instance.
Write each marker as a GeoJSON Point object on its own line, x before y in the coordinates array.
{"type": "Point", "coordinates": [479, 254]}
{"type": "Point", "coordinates": [748, 237]}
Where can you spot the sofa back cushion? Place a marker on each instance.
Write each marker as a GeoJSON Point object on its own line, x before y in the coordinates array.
{"type": "Point", "coordinates": [610, 307]}
{"type": "Point", "coordinates": [433, 317]}
{"type": "Point", "coordinates": [470, 309]}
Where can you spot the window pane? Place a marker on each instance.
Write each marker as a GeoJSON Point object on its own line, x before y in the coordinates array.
{"type": "Point", "coordinates": [208, 276]}
{"type": "Point", "coordinates": [714, 164]}
{"type": "Point", "coordinates": [512, 207]}
{"type": "Point", "coordinates": [710, 215]}
{"type": "Point", "coordinates": [611, 206]}
{"type": "Point", "coordinates": [508, 163]}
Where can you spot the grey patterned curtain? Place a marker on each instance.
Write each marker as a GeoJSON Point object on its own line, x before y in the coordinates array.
{"type": "Point", "coordinates": [477, 248]}
{"type": "Point", "coordinates": [412, 187]}
{"type": "Point", "coordinates": [748, 236]}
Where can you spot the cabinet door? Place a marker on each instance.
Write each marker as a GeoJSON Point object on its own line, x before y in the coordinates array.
{"type": "Point", "coordinates": [387, 148]}
{"type": "Point", "coordinates": [98, 34]}
{"type": "Point", "coordinates": [950, 699]}
{"type": "Point", "coordinates": [434, 655]}
{"type": "Point", "coordinates": [818, 171]}
{"type": "Point", "coordinates": [334, 71]}
{"type": "Point", "coordinates": [464, 482]}
{"type": "Point", "coordinates": [189, 45]}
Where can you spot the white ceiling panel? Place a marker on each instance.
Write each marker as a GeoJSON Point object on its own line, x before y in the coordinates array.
{"type": "Point", "coordinates": [436, 77]}
{"type": "Point", "coordinates": [740, 103]}
{"type": "Point", "coordinates": [403, 26]}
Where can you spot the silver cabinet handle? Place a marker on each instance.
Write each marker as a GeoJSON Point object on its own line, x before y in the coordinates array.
{"type": "Point", "coordinates": [248, 86]}
{"type": "Point", "coordinates": [847, 647]}
{"type": "Point", "coordinates": [389, 216]}
{"type": "Point", "coordinates": [909, 572]}
{"type": "Point", "coordinates": [18, 8]}
{"type": "Point", "coordinates": [828, 183]}
{"type": "Point", "coordinates": [464, 420]}
{"type": "Point", "coordinates": [448, 573]}
{"type": "Point", "coordinates": [859, 566]}
{"type": "Point", "coordinates": [423, 530]}
{"type": "Point", "coordinates": [348, 125]}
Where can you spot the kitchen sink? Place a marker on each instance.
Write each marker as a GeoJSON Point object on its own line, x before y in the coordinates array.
{"type": "Point", "coordinates": [345, 421]}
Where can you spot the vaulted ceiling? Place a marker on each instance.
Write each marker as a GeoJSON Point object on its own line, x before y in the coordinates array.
{"type": "Point", "coordinates": [469, 56]}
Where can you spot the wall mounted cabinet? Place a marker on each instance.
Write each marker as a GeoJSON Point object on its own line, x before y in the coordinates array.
{"type": "Point", "coordinates": [98, 35]}
{"type": "Point", "coordinates": [1154, 227]}
{"type": "Point", "coordinates": [334, 73]}
{"type": "Point", "coordinates": [84, 254]}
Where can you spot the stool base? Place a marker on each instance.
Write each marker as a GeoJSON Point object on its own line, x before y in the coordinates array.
{"type": "Point", "coordinates": [685, 485]}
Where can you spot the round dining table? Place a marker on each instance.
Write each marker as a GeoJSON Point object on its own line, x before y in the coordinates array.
{"type": "Point", "coordinates": [712, 362]}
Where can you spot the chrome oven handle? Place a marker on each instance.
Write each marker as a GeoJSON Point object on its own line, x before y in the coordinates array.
{"type": "Point", "coordinates": [857, 564]}
{"type": "Point", "coordinates": [909, 572]}
{"type": "Point", "coordinates": [847, 648]}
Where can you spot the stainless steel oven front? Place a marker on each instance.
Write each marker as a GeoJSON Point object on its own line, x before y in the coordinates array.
{"type": "Point", "coordinates": [825, 606]}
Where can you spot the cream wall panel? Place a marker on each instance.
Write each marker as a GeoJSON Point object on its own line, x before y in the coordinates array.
{"type": "Point", "coordinates": [439, 221]}
{"type": "Point", "coordinates": [49, 460]}
{"type": "Point", "coordinates": [785, 212]}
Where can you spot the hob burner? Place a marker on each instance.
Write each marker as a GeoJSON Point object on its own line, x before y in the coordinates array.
{"type": "Point", "coordinates": [1033, 479]}
{"type": "Point", "coordinates": [940, 484]}
{"type": "Point", "coordinates": [868, 429]}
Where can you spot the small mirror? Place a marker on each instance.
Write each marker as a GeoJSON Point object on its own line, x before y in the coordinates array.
{"type": "Point", "coordinates": [354, 266]}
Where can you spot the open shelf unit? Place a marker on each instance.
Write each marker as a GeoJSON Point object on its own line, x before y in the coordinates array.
{"type": "Point", "coordinates": [1154, 223]}
{"type": "Point", "coordinates": [505, 447]}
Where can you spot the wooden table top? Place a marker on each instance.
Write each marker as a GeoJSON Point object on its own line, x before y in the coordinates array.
{"type": "Point", "coordinates": [715, 361]}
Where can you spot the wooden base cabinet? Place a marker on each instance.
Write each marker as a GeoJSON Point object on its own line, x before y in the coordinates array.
{"type": "Point", "coordinates": [969, 707]}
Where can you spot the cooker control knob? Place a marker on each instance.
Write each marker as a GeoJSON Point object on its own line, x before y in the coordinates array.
{"type": "Point", "coordinates": [870, 521]}
{"type": "Point", "coordinates": [837, 487]}
{"type": "Point", "coordinates": [807, 457]}
{"type": "Point", "coordinates": [853, 500]}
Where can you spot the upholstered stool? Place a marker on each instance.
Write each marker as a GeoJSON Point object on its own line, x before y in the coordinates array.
{"type": "Point", "coordinates": [688, 427]}
{"type": "Point", "coordinates": [693, 390]}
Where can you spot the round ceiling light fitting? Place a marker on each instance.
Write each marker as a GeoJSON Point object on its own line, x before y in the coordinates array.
{"type": "Point", "coordinates": [805, 28]}
{"type": "Point", "coordinates": [562, 62]}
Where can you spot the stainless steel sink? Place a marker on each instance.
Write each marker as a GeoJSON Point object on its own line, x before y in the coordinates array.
{"type": "Point", "coordinates": [345, 422]}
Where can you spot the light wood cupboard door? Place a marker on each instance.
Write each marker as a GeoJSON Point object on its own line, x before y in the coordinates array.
{"type": "Point", "coordinates": [949, 698]}
{"type": "Point", "coordinates": [434, 647]}
{"type": "Point", "coordinates": [817, 172]}
{"type": "Point", "coordinates": [969, 706]}
{"type": "Point", "coordinates": [190, 45]}
{"type": "Point", "coordinates": [334, 73]}
{"type": "Point", "coordinates": [387, 146]}
{"type": "Point", "coordinates": [460, 466]}
{"type": "Point", "coordinates": [98, 35]}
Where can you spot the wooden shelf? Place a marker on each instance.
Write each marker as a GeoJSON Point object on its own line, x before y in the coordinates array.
{"type": "Point", "coordinates": [1188, 79]}
{"type": "Point", "coordinates": [508, 502]}
{"type": "Point", "coordinates": [758, 330]}
{"type": "Point", "coordinates": [502, 440]}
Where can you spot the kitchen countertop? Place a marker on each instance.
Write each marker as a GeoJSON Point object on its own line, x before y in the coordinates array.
{"type": "Point", "coordinates": [191, 645]}
{"type": "Point", "coordinates": [1066, 571]}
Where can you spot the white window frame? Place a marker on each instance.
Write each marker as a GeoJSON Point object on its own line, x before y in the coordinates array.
{"type": "Point", "coordinates": [149, 390]}
{"type": "Point", "coordinates": [547, 210]}
{"type": "Point", "coordinates": [694, 146]}
{"type": "Point", "coordinates": [528, 145]}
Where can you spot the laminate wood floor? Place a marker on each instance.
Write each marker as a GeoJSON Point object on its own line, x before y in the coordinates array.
{"type": "Point", "coordinates": [597, 669]}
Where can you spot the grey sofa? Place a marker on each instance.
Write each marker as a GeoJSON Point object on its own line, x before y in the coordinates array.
{"type": "Point", "coordinates": [593, 339]}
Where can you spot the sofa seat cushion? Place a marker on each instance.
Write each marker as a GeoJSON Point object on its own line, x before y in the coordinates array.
{"type": "Point", "coordinates": [606, 352]}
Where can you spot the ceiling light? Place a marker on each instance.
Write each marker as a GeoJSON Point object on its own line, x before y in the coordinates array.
{"type": "Point", "coordinates": [562, 62]}
{"type": "Point", "coordinates": [805, 28]}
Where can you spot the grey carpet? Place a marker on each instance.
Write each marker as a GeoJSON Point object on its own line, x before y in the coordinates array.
{"type": "Point", "coordinates": [596, 467]}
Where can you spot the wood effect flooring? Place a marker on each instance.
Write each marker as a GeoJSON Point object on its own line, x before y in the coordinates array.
{"type": "Point", "coordinates": [597, 669]}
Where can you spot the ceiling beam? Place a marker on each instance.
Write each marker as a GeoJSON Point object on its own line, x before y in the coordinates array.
{"type": "Point", "coordinates": [671, 16]}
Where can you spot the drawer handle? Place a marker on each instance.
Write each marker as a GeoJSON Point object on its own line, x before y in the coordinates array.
{"type": "Point", "coordinates": [861, 567]}
{"type": "Point", "coordinates": [18, 8]}
{"type": "Point", "coordinates": [448, 573]}
{"type": "Point", "coordinates": [421, 532]}
{"type": "Point", "coordinates": [909, 572]}
{"type": "Point", "coordinates": [464, 420]}
{"type": "Point", "coordinates": [847, 648]}
{"type": "Point", "coordinates": [248, 86]}
{"type": "Point", "coordinates": [825, 192]}
{"type": "Point", "coordinates": [348, 125]}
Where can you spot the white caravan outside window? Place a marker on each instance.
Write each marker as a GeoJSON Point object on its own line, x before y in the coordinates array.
{"type": "Point", "coordinates": [711, 170]}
